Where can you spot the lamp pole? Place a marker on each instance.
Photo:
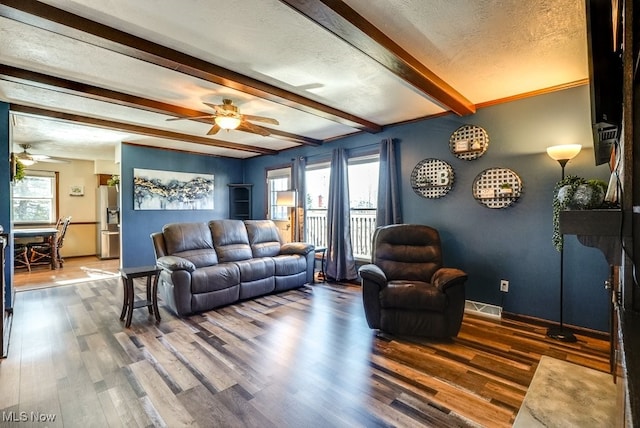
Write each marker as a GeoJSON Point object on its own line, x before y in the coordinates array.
{"type": "Point", "coordinates": [563, 154]}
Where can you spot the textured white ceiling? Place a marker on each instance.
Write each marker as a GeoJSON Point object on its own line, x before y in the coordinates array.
{"type": "Point", "coordinates": [485, 49]}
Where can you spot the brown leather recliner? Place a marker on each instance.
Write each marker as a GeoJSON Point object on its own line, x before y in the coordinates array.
{"type": "Point", "coordinates": [405, 290]}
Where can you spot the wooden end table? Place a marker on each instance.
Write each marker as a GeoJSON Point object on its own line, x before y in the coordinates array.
{"type": "Point", "coordinates": [321, 251]}
{"type": "Point", "coordinates": [129, 303]}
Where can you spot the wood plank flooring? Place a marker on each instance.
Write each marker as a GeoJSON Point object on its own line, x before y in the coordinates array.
{"type": "Point", "coordinates": [303, 358]}
{"type": "Point", "coordinates": [76, 269]}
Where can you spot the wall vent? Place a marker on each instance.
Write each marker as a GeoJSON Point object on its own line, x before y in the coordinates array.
{"type": "Point", "coordinates": [483, 309]}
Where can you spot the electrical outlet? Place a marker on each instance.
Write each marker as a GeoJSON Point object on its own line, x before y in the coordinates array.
{"type": "Point", "coordinates": [504, 285]}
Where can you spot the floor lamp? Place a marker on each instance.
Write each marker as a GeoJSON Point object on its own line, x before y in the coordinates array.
{"type": "Point", "coordinates": [563, 154]}
{"type": "Point", "coordinates": [288, 198]}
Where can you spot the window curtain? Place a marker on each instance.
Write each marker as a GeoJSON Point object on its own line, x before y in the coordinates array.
{"type": "Point", "coordinates": [341, 264]}
{"type": "Point", "coordinates": [299, 169]}
{"type": "Point", "coordinates": [389, 209]}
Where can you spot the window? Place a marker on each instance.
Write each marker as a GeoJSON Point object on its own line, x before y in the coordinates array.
{"type": "Point", "coordinates": [363, 182]}
{"type": "Point", "coordinates": [316, 201]}
{"type": "Point", "coordinates": [34, 198]}
{"type": "Point", "coordinates": [277, 180]}
{"type": "Point", "coordinates": [363, 197]}
{"type": "Point", "coordinates": [363, 201]}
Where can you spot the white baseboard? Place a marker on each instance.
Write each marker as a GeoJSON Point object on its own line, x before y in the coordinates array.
{"type": "Point", "coordinates": [483, 309]}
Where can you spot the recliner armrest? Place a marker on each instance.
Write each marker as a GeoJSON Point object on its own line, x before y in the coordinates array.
{"type": "Point", "coordinates": [444, 278]}
{"type": "Point", "coordinates": [173, 263]}
{"type": "Point", "coordinates": [296, 248]}
{"type": "Point", "coordinates": [371, 272]}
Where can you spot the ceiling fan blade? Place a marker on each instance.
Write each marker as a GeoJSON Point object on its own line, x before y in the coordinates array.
{"type": "Point", "coordinates": [261, 119]}
{"type": "Point", "coordinates": [218, 108]}
{"type": "Point", "coordinates": [214, 130]}
{"type": "Point", "coordinates": [255, 129]}
{"type": "Point", "coordinates": [208, 116]}
{"type": "Point", "coordinates": [213, 106]}
{"type": "Point", "coordinates": [52, 160]}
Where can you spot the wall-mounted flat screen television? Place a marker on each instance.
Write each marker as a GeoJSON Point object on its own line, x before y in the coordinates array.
{"type": "Point", "coordinates": [604, 38]}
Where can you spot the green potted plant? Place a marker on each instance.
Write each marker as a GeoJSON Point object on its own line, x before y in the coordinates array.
{"type": "Point", "coordinates": [114, 181]}
{"type": "Point", "coordinates": [575, 193]}
{"type": "Point", "coordinates": [505, 189]}
{"type": "Point", "coordinates": [19, 171]}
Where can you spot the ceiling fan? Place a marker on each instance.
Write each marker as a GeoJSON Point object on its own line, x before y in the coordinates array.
{"type": "Point", "coordinates": [29, 159]}
{"type": "Point", "coordinates": [227, 116]}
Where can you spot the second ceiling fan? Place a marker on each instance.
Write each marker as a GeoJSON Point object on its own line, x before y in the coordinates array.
{"type": "Point", "coordinates": [227, 116]}
{"type": "Point", "coordinates": [29, 159]}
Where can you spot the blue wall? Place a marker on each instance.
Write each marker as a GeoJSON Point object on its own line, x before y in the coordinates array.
{"type": "Point", "coordinates": [137, 225]}
{"type": "Point", "coordinates": [490, 244]}
{"type": "Point", "coordinates": [493, 244]}
{"type": "Point", "coordinates": [5, 191]}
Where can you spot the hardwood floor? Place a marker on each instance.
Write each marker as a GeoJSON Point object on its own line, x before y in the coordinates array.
{"type": "Point", "coordinates": [76, 269]}
{"type": "Point", "coordinates": [302, 358]}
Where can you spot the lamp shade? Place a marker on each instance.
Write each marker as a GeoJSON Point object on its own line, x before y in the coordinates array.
{"type": "Point", "coordinates": [227, 122]}
{"type": "Point", "coordinates": [564, 152]}
{"type": "Point", "coordinates": [286, 198]}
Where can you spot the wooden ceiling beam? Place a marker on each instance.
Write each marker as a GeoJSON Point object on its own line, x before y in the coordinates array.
{"type": "Point", "coordinates": [137, 129]}
{"type": "Point", "coordinates": [67, 24]}
{"type": "Point", "coordinates": [344, 22]}
{"type": "Point", "coordinates": [57, 84]}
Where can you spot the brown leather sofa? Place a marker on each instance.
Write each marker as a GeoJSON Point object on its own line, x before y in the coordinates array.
{"type": "Point", "coordinates": [405, 289]}
{"type": "Point", "coordinates": [207, 265]}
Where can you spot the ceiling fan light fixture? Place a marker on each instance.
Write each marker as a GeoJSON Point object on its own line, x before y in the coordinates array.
{"type": "Point", "coordinates": [227, 122]}
{"type": "Point", "coordinates": [27, 161]}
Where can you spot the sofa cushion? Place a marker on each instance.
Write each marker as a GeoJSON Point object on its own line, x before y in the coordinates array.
{"type": "Point", "coordinates": [412, 295]}
{"type": "Point", "coordinates": [264, 238]}
{"type": "Point", "coordinates": [253, 269]}
{"type": "Point", "coordinates": [290, 264]}
{"type": "Point", "coordinates": [230, 240]}
{"type": "Point", "coordinates": [213, 278]}
{"type": "Point", "coordinates": [191, 241]}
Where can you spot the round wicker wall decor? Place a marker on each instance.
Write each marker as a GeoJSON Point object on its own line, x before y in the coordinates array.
{"type": "Point", "coordinates": [469, 142]}
{"type": "Point", "coordinates": [432, 178]}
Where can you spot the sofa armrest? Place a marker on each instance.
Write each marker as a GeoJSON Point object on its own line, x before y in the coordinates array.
{"type": "Point", "coordinates": [371, 272]}
{"type": "Point", "coordinates": [444, 278]}
{"type": "Point", "coordinates": [173, 263]}
{"type": "Point", "coordinates": [296, 248]}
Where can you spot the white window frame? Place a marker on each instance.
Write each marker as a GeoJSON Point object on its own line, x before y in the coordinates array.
{"type": "Point", "coordinates": [316, 237]}
{"type": "Point", "coordinates": [359, 160]}
{"type": "Point", "coordinates": [277, 180]}
{"type": "Point", "coordinates": [53, 198]}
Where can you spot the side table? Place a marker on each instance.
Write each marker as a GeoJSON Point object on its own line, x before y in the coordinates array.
{"type": "Point", "coordinates": [129, 303]}
{"type": "Point", "coordinates": [321, 251]}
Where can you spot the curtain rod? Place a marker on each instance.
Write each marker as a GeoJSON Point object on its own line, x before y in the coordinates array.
{"type": "Point", "coordinates": [324, 154]}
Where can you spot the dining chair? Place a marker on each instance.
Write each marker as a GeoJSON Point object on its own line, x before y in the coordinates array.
{"type": "Point", "coordinates": [21, 256]}
{"type": "Point", "coordinates": [40, 253]}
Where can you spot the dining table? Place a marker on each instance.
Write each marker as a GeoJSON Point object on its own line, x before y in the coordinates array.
{"type": "Point", "coordinates": [48, 234]}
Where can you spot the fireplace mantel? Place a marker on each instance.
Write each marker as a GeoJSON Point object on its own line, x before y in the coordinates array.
{"type": "Point", "coordinates": [602, 229]}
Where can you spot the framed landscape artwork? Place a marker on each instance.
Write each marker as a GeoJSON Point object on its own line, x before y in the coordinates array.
{"type": "Point", "coordinates": [170, 190]}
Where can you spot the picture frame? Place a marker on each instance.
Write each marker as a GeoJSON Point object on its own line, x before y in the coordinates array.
{"type": "Point", "coordinates": [172, 190]}
{"type": "Point", "coordinates": [76, 190]}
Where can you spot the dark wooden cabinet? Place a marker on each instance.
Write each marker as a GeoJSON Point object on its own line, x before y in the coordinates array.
{"type": "Point", "coordinates": [240, 201]}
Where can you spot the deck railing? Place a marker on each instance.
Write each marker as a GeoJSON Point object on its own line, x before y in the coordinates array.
{"type": "Point", "coordinates": [363, 224]}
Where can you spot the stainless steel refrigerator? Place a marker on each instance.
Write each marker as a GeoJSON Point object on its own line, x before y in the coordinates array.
{"type": "Point", "coordinates": [108, 215]}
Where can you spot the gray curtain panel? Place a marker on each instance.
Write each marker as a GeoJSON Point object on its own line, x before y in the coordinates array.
{"type": "Point", "coordinates": [340, 262]}
{"type": "Point", "coordinates": [299, 169]}
{"type": "Point", "coordinates": [389, 210]}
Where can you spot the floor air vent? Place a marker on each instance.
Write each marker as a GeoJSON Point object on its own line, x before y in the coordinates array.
{"type": "Point", "coordinates": [483, 309]}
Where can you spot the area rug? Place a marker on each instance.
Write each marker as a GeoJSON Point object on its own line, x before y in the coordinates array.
{"type": "Point", "coordinates": [563, 394]}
